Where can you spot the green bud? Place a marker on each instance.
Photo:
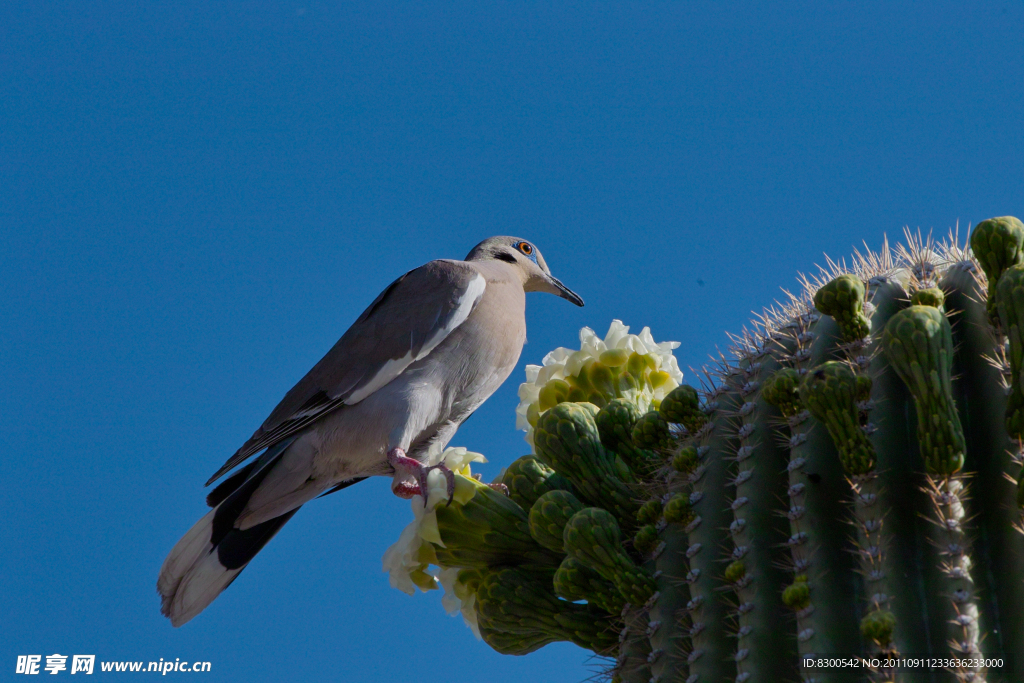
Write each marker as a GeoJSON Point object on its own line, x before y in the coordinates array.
{"type": "Point", "coordinates": [471, 578]}
{"type": "Point", "coordinates": [527, 479]}
{"type": "Point", "coordinates": [518, 612]}
{"type": "Point", "coordinates": [613, 358]}
{"type": "Point", "coordinates": [998, 244]}
{"type": "Point", "coordinates": [548, 518]}
{"type": "Point", "coordinates": [831, 392]}
{"type": "Point", "coordinates": [735, 571]}
{"type": "Point", "coordinates": [652, 432]}
{"type": "Point", "coordinates": [863, 387]}
{"type": "Point", "coordinates": [919, 344]}
{"type": "Point", "coordinates": [933, 296]}
{"type": "Point", "coordinates": [878, 626]}
{"type": "Point", "coordinates": [685, 461]}
{"type": "Point", "coordinates": [488, 529]}
{"type": "Point", "coordinates": [682, 406]}
{"type": "Point", "coordinates": [649, 512]}
{"type": "Point", "coordinates": [782, 391]}
{"type": "Point", "coordinates": [843, 300]}
{"type": "Point", "coordinates": [575, 581]}
{"type": "Point", "coordinates": [798, 595]}
{"type": "Point", "coordinates": [646, 539]}
{"type": "Point", "coordinates": [615, 424]}
{"type": "Point", "coordinates": [592, 537]}
{"type": "Point", "coordinates": [678, 510]}
{"type": "Point", "coordinates": [567, 440]}
{"type": "Point", "coordinates": [603, 379]}
{"type": "Point", "coordinates": [554, 392]}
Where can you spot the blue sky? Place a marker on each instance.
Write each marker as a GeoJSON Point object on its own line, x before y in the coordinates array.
{"type": "Point", "coordinates": [198, 198]}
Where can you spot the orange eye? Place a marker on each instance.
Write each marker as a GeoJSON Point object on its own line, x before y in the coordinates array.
{"type": "Point", "coordinates": [526, 248]}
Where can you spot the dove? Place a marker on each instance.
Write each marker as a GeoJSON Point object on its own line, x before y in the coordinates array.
{"type": "Point", "coordinates": [429, 350]}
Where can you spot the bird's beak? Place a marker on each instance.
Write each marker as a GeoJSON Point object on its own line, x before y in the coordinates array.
{"type": "Point", "coordinates": [564, 292]}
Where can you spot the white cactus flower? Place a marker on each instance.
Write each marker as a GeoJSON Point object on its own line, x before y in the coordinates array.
{"type": "Point", "coordinates": [612, 351]}
{"type": "Point", "coordinates": [458, 598]}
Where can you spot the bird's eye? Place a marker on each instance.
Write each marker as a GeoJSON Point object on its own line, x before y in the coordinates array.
{"type": "Point", "coordinates": [526, 248]}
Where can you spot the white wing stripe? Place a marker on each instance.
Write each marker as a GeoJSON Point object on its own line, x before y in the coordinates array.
{"type": "Point", "coordinates": [394, 367]}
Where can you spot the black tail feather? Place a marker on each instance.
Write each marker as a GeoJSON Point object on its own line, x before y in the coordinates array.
{"type": "Point", "coordinates": [237, 547]}
{"type": "Point", "coordinates": [228, 486]}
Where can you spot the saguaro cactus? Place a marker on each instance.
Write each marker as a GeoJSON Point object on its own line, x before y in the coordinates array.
{"type": "Point", "coordinates": [840, 500]}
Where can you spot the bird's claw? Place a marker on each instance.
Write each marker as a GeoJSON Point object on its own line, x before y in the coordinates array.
{"type": "Point", "coordinates": [400, 462]}
{"type": "Point", "coordinates": [449, 477]}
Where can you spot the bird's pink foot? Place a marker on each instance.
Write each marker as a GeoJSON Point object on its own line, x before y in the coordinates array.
{"type": "Point", "coordinates": [402, 463]}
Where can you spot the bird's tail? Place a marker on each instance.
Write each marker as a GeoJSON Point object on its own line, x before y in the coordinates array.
{"type": "Point", "coordinates": [213, 552]}
{"type": "Point", "coordinates": [201, 565]}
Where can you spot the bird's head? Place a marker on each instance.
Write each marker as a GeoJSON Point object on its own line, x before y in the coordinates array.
{"type": "Point", "coordinates": [525, 257]}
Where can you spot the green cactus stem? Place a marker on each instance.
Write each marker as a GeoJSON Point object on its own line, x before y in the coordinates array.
{"type": "Point", "coordinates": [668, 617]}
{"type": "Point", "coordinates": [918, 342]}
{"type": "Point", "coordinates": [897, 526]}
{"type": "Point", "coordinates": [817, 532]}
{"type": "Point", "coordinates": [834, 393]}
{"type": "Point", "coordinates": [518, 613]}
{"type": "Point", "coordinates": [759, 528]}
{"type": "Point", "coordinates": [633, 664]}
{"type": "Point", "coordinates": [637, 654]}
{"type": "Point", "coordinates": [702, 643]}
{"type": "Point", "coordinates": [994, 456]}
{"type": "Point", "coordinates": [592, 537]}
{"type": "Point", "coordinates": [951, 545]}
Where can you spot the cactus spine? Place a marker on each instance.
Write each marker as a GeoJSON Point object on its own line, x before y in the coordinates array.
{"type": "Point", "coordinates": [849, 483]}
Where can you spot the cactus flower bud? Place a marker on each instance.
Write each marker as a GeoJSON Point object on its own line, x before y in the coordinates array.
{"type": "Point", "coordinates": [831, 392]}
{"type": "Point", "coordinates": [782, 391]}
{"type": "Point", "coordinates": [549, 515]}
{"type": "Point", "coordinates": [843, 300]}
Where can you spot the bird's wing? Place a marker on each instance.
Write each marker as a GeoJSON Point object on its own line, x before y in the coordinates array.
{"type": "Point", "coordinates": [409, 318]}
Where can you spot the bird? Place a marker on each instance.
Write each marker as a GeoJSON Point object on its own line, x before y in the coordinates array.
{"type": "Point", "coordinates": [425, 354]}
